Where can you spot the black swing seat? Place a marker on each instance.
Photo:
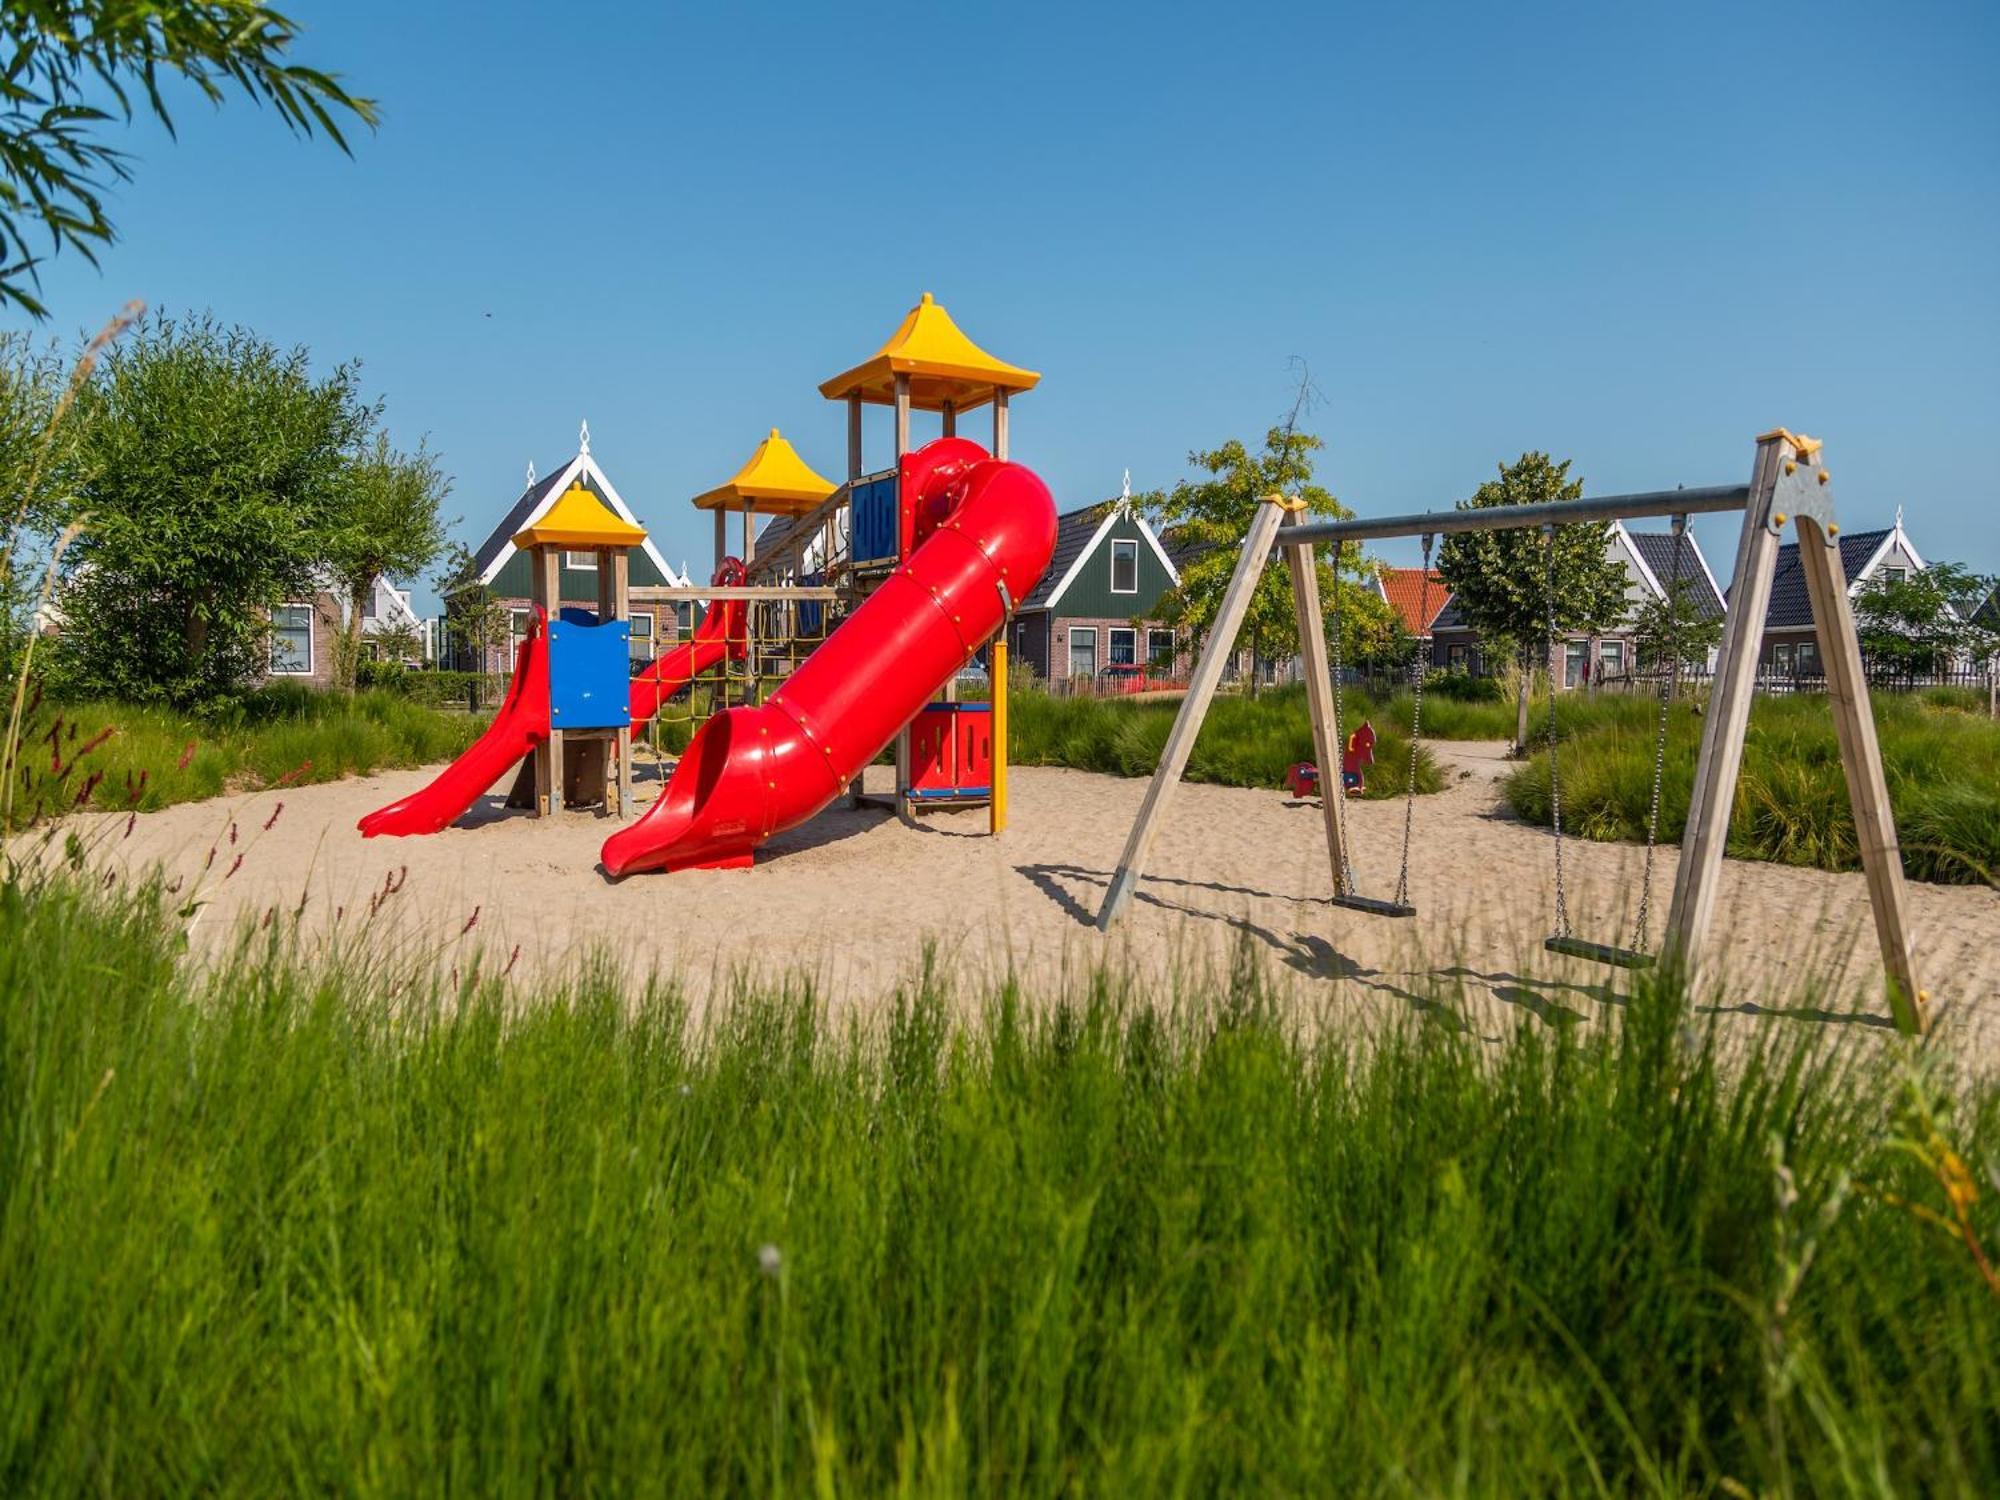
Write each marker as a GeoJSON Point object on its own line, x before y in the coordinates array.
{"type": "Point", "coordinates": [1375, 908]}
{"type": "Point", "coordinates": [1602, 953]}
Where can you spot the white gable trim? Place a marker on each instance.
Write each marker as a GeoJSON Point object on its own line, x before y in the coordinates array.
{"type": "Point", "coordinates": [1111, 515]}
{"type": "Point", "coordinates": [1702, 557]}
{"type": "Point", "coordinates": [583, 466]}
{"type": "Point", "coordinates": [1896, 534]}
{"type": "Point", "coordinates": [1638, 563]}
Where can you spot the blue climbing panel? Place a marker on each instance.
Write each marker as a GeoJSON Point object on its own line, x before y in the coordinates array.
{"type": "Point", "coordinates": [590, 675]}
{"type": "Point", "coordinates": [875, 534]}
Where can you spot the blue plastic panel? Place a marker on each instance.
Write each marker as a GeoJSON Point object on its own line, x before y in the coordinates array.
{"type": "Point", "coordinates": [590, 675]}
{"type": "Point", "coordinates": [873, 528]}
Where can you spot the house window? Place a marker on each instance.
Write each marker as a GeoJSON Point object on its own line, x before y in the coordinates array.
{"type": "Point", "coordinates": [642, 637]}
{"type": "Point", "coordinates": [1781, 658]}
{"type": "Point", "coordinates": [1808, 658]}
{"type": "Point", "coordinates": [1895, 575]}
{"type": "Point", "coordinates": [582, 562]}
{"type": "Point", "coordinates": [1160, 649]}
{"type": "Point", "coordinates": [1455, 655]}
{"type": "Point", "coordinates": [1576, 663]}
{"type": "Point", "coordinates": [1610, 659]}
{"type": "Point", "coordinates": [684, 615]}
{"type": "Point", "coordinates": [1124, 567]}
{"type": "Point", "coordinates": [292, 640]}
{"type": "Point", "coordinates": [1124, 646]}
{"type": "Point", "coordinates": [1083, 650]}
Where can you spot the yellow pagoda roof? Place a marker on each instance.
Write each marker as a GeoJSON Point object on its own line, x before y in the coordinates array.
{"type": "Point", "coordinates": [776, 481]}
{"type": "Point", "coordinates": [942, 363]}
{"type": "Point", "coordinates": [581, 521]}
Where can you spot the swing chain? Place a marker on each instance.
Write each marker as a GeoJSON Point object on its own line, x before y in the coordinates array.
{"type": "Point", "coordinates": [1669, 690]}
{"type": "Point", "coordinates": [1562, 929]}
{"type": "Point", "coordinates": [1418, 672]}
{"type": "Point", "coordinates": [1336, 788]}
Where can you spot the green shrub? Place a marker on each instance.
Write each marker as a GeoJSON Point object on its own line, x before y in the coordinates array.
{"type": "Point", "coordinates": [270, 1230]}
{"type": "Point", "coordinates": [282, 735]}
{"type": "Point", "coordinates": [440, 689]}
{"type": "Point", "coordinates": [1249, 742]}
{"type": "Point", "coordinates": [1943, 768]}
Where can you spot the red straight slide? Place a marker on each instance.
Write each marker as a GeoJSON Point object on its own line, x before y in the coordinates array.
{"type": "Point", "coordinates": [986, 530]}
{"type": "Point", "coordinates": [521, 725]}
{"type": "Point", "coordinates": [720, 633]}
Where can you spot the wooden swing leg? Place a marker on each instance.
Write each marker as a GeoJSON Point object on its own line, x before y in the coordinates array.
{"type": "Point", "coordinates": [1861, 757]}
{"type": "Point", "coordinates": [1320, 690]}
{"type": "Point", "coordinates": [1207, 677]}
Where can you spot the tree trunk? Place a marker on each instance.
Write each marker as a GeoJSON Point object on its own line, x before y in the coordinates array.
{"type": "Point", "coordinates": [1521, 708]}
{"type": "Point", "coordinates": [357, 600]}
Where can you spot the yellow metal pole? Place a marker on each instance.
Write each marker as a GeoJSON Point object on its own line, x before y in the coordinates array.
{"type": "Point", "coordinates": [999, 802]}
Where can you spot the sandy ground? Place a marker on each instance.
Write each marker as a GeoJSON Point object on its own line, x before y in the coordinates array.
{"type": "Point", "coordinates": [853, 898]}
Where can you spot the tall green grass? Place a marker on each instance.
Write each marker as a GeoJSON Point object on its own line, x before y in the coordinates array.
{"type": "Point", "coordinates": [284, 735]}
{"type": "Point", "coordinates": [1942, 761]}
{"type": "Point", "coordinates": [279, 1231]}
{"type": "Point", "coordinates": [1250, 742]}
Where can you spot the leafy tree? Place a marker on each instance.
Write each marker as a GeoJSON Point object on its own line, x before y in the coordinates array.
{"type": "Point", "coordinates": [1502, 580]}
{"type": "Point", "coordinates": [385, 524]}
{"type": "Point", "coordinates": [1918, 625]}
{"type": "Point", "coordinates": [1211, 517]}
{"type": "Point", "coordinates": [1674, 625]}
{"type": "Point", "coordinates": [35, 463]}
{"type": "Point", "coordinates": [475, 621]}
{"type": "Point", "coordinates": [214, 465]}
{"type": "Point", "coordinates": [73, 66]}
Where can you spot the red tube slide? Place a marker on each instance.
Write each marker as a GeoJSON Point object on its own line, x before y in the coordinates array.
{"type": "Point", "coordinates": [720, 633]}
{"type": "Point", "coordinates": [983, 526]}
{"type": "Point", "coordinates": [521, 725]}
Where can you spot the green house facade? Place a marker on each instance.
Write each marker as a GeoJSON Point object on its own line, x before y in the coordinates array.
{"type": "Point", "coordinates": [1096, 613]}
{"type": "Point", "coordinates": [503, 568]}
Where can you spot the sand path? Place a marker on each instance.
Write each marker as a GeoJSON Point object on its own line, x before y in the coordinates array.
{"type": "Point", "coordinates": [853, 898]}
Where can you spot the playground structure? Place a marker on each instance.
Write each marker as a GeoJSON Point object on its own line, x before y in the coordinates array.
{"type": "Point", "coordinates": [1789, 482]}
{"type": "Point", "coordinates": [824, 618]}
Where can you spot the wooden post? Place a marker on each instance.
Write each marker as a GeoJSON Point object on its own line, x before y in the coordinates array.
{"type": "Point", "coordinates": [1320, 689]}
{"type": "Point", "coordinates": [549, 764]}
{"type": "Point", "coordinates": [1699, 877]}
{"type": "Point", "coordinates": [1000, 424]}
{"type": "Point", "coordinates": [902, 415]}
{"type": "Point", "coordinates": [749, 535]}
{"type": "Point", "coordinates": [721, 536]}
{"type": "Point", "coordinates": [1861, 755]}
{"type": "Point", "coordinates": [997, 656]}
{"type": "Point", "coordinates": [853, 437]}
{"type": "Point", "coordinates": [949, 415]}
{"type": "Point", "coordinates": [1215, 652]}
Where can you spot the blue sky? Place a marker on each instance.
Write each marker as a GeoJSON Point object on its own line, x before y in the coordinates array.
{"type": "Point", "coordinates": [1634, 236]}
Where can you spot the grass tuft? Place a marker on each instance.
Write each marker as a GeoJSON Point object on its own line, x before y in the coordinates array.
{"type": "Point", "coordinates": [273, 1229]}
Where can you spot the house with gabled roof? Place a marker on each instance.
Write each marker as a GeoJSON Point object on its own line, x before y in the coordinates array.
{"type": "Point", "coordinates": [1098, 605]}
{"type": "Point", "coordinates": [503, 569]}
{"type": "Point", "coordinates": [1649, 562]}
{"type": "Point", "coordinates": [1790, 647]}
{"type": "Point", "coordinates": [1415, 607]}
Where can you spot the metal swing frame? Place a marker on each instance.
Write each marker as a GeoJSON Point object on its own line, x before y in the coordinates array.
{"type": "Point", "coordinates": [1788, 482]}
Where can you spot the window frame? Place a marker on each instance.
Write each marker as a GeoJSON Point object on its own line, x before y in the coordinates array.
{"type": "Point", "coordinates": [1070, 643]}
{"type": "Point", "coordinates": [1576, 652]}
{"type": "Point", "coordinates": [1610, 655]}
{"type": "Point", "coordinates": [272, 668]}
{"type": "Point", "coordinates": [1156, 657]}
{"type": "Point", "coordinates": [1111, 646]}
{"type": "Point", "coordinates": [1895, 573]}
{"type": "Point", "coordinates": [1133, 544]}
{"type": "Point", "coordinates": [588, 565]}
{"type": "Point", "coordinates": [1784, 658]}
